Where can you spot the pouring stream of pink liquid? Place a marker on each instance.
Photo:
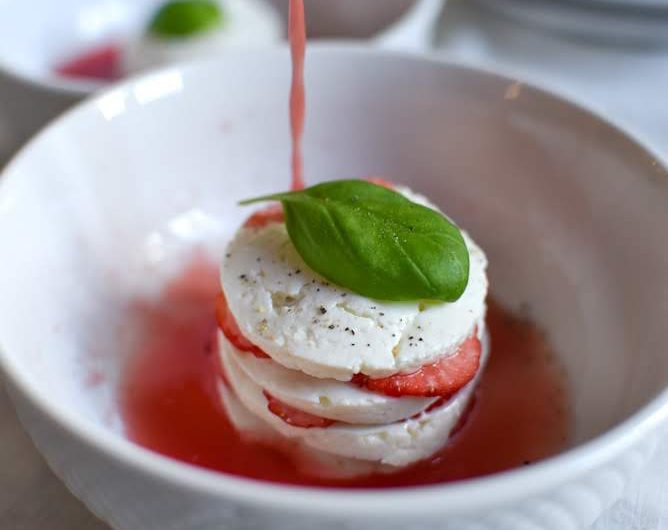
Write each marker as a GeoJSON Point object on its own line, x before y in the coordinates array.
{"type": "Point", "coordinates": [297, 32]}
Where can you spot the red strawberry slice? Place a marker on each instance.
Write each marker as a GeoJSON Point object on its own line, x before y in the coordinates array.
{"type": "Point", "coordinates": [293, 416]}
{"type": "Point", "coordinates": [228, 325]}
{"type": "Point", "coordinates": [266, 216]}
{"type": "Point", "coordinates": [442, 378]}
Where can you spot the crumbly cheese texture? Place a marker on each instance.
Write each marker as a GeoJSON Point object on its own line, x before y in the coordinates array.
{"type": "Point", "coordinates": [247, 24]}
{"type": "Point", "coordinates": [305, 323]}
{"type": "Point", "coordinates": [327, 398]}
{"type": "Point", "coordinates": [393, 444]}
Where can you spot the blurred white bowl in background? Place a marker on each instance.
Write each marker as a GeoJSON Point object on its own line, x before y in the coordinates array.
{"type": "Point", "coordinates": [35, 36]}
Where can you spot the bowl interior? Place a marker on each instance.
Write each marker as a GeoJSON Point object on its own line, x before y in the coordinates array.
{"type": "Point", "coordinates": [108, 203]}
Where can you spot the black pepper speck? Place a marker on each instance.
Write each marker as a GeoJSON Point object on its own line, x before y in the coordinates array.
{"type": "Point", "coordinates": [322, 310]}
{"type": "Point", "coordinates": [331, 326]}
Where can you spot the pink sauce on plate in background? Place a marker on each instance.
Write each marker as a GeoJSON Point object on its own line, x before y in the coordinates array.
{"type": "Point", "coordinates": [102, 64]}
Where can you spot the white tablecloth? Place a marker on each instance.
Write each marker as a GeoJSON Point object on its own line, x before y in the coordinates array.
{"type": "Point", "coordinates": [628, 86]}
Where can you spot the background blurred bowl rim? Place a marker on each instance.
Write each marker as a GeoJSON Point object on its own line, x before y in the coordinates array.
{"type": "Point", "coordinates": [457, 497]}
{"type": "Point", "coordinates": [81, 88]}
{"type": "Point", "coordinates": [56, 84]}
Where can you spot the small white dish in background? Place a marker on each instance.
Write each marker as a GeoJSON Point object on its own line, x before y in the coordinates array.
{"type": "Point", "coordinates": [246, 24]}
{"type": "Point", "coordinates": [36, 36]}
{"type": "Point", "coordinates": [102, 206]}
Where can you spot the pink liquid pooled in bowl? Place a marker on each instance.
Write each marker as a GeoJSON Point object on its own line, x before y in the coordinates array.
{"type": "Point", "coordinates": [170, 403]}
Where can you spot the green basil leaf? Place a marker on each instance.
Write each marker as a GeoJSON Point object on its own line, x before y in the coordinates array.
{"type": "Point", "coordinates": [375, 242]}
{"type": "Point", "coordinates": [184, 18]}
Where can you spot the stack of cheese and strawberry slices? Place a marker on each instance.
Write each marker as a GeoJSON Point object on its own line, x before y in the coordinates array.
{"type": "Point", "coordinates": [356, 332]}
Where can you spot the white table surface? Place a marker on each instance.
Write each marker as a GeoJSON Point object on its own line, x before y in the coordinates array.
{"type": "Point", "coordinates": [630, 88]}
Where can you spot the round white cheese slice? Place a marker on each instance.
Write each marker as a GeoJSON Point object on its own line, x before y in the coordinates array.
{"type": "Point", "coordinates": [305, 323]}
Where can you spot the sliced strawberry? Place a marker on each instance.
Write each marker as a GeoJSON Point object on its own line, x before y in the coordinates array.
{"type": "Point", "coordinates": [271, 214]}
{"type": "Point", "coordinates": [228, 325]}
{"type": "Point", "coordinates": [381, 182]}
{"type": "Point", "coordinates": [442, 378]}
{"type": "Point", "coordinates": [293, 416]}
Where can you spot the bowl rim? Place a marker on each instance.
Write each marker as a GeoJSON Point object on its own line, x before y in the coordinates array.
{"type": "Point", "coordinates": [420, 501]}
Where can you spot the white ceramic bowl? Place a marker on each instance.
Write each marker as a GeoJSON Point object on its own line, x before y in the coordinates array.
{"type": "Point", "coordinates": [105, 204]}
{"type": "Point", "coordinates": [37, 35]}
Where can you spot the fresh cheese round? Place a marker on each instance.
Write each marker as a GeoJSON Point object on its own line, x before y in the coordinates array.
{"type": "Point", "coordinates": [305, 323]}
